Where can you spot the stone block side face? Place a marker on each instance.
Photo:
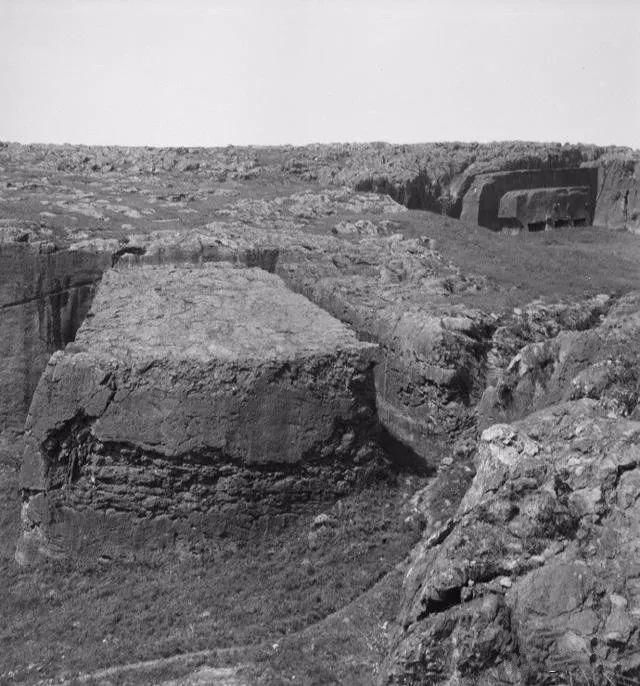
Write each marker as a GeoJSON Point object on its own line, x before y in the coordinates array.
{"type": "Point", "coordinates": [120, 458]}
{"type": "Point", "coordinates": [545, 205]}
{"type": "Point", "coordinates": [432, 375]}
{"type": "Point", "coordinates": [481, 203]}
{"type": "Point", "coordinates": [433, 359]}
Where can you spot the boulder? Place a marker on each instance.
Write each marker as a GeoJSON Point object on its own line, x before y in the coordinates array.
{"type": "Point", "coordinates": [193, 401]}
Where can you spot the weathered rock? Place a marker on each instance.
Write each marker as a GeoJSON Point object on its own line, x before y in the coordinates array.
{"type": "Point", "coordinates": [391, 290]}
{"type": "Point", "coordinates": [541, 208]}
{"type": "Point", "coordinates": [481, 202]}
{"type": "Point", "coordinates": [599, 363]}
{"type": "Point", "coordinates": [618, 205]}
{"type": "Point", "coordinates": [536, 575]}
{"type": "Point", "coordinates": [193, 401]}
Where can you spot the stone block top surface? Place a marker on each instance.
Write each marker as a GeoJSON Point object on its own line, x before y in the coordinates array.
{"type": "Point", "coordinates": [207, 312]}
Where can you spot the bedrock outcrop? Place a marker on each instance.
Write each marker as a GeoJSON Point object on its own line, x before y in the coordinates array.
{"type": "Point", "coordinates": [437, 355]}
{"type": "Point", "coordinates": [194, 401]}
{"type": "Point", "coordinates": [618, 199]}
{"type": "Point", "coordinates": [536, 578]}
{"type": "Point", "coordinates": [600, 363]}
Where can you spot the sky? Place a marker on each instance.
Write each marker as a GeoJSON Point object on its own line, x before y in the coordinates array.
{"type": "Point", "coordinates": [220, 72]}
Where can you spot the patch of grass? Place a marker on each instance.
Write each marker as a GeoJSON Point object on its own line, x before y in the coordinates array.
{"type": "Point", "coordinates": [65, 617]}
{"type": "Point", "coordinates": [563, 263]}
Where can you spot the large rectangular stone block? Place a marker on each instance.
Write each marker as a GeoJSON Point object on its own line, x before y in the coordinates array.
{"type": "Point", "coordinates": [193, 400]}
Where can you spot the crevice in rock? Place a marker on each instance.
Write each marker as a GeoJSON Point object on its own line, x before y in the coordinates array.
{"type": "Point", "coordinates": [127, 250]}
{"type": "Point", "coordinates": [446, 599]}
{"type": "Point", "coordinates": [48, 294]}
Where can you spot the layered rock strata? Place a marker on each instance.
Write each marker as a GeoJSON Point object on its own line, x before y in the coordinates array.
{"type": "Point", "coordinates": [194, 402]}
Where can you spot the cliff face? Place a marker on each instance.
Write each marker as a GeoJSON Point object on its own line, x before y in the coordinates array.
{"type": "Point", "coordinates": [44, 297]}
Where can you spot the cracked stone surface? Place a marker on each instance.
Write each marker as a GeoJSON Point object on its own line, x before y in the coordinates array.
{"type": "Point", "coordinates": [537, 572]}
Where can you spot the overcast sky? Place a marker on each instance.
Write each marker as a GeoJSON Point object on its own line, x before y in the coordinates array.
{"type": "Point", "coordinates": [218, 72]}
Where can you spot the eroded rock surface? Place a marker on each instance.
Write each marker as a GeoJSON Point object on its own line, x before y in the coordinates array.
{"type": "Point", "coordinates": [536, 577]}
{"type": "Point", "coordinates": [599, 363]}
{"type": "Point", "coordinates": [618, 205]}
{"type": "Point", "coordinates": [206, 401]}
{"type": "Point", "coordinates": [193, 401]}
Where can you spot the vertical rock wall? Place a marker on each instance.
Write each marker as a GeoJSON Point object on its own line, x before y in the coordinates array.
{"type": "Point", "coordinates": [618, 197]}
{"type": "Point", "coordinates": [44, 298]}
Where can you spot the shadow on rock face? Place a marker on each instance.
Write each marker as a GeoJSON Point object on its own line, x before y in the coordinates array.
{"type": "Point", "coordinates": [403, 457]}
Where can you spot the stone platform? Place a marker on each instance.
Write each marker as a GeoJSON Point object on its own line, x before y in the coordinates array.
{"type": "Point", "coordinates": [193, 402]}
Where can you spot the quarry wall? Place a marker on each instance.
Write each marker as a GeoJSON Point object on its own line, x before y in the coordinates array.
{"type": "Point", "coordinates": [44, 297]}
{"type": "Point", "coordinates": [618, 195]}
{"type": "Point", "coordinates": [481, 203]}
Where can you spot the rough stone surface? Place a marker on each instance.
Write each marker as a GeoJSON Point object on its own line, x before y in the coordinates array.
{"type": "Point", "coordinates": [618, 200]}
{"type": "Point", "coordinates": [193, 400]}
{"type": "Point", "coordinates": [43, 299]}
{"type": "Point", "coordinates": [599, 363]}
{"type": "Point", "coordinates": [482, 201]}
{"type": "Point", "coordinates": [536, 576]}
{"type": "Point", "coordinates": [391, 290]}
{"type": "Point", "coordinates": [131, 446]}
{"type": "Point", "coordinates": [545, 207]}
